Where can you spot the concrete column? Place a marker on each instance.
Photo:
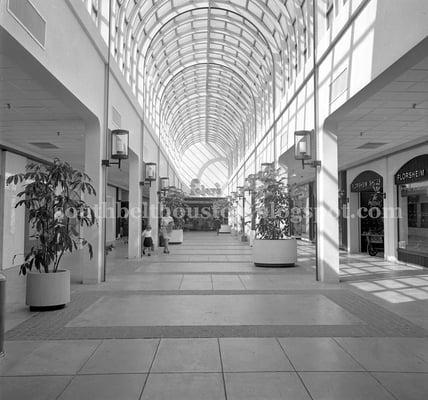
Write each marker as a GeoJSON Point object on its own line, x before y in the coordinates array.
{"type": "Point", "coordinates": [92, 269]}
{"type": "Point", "coordinates": [154, 212]}
{"type": "Point", "coordinates": [353, 222]}
{"type": "Point", "coordinates": [135, 212]}
{"type": "Point", "coordinates": [327, 207]}
{"type": "Point", "coordinates": [390, 205]}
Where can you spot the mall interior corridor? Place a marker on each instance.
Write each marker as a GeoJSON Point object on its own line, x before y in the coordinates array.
{"type": "Point", "coordinates": [203, 323]}
{"type": "Point", "coordinates": [271, 154]}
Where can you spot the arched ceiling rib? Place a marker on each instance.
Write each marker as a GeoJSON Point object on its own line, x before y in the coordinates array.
{"type": "Point", "coordinates": [209, 70]}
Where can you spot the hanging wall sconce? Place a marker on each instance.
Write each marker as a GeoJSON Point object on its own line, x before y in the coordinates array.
{"type": "Point", "coordinates": [302, 148]}
{"type": "Point", "coordinates": [150, 173]}
{"type": "Point", "coordinates": [164, 185]}
{"type": "Point", "coordinates": [119, 149]}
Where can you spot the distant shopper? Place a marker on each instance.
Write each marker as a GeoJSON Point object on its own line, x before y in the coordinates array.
{"type": "Point", "coordinates": [217, 224]}
{"type": "Point", "coordinates": [167, 223]}
{"type": "Point", "coordinates": [147, 240]}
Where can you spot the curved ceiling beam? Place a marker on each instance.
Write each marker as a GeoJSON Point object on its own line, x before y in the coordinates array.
{"type": "Point", "coordinates": [192, 96]}
{"type": "Point", "coordinates": [196, 122]}
{"type": "Point", "coordinates": [211, 66]}
{"type": "Point", "coordinates": [208, 163]}
{"type": "Point", "coordinates": [216, 84]}
{"type": "Point", "coordinates": [176, 31]}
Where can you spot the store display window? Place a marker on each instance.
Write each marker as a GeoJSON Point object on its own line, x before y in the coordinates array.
{"type": "Point", "coordinates": [412, 188]}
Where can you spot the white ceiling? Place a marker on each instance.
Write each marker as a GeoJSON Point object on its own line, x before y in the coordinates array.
{"type": "Point", "coordinates": [31, 113]}
{"type": "Point", "coordinates": [396, 115]}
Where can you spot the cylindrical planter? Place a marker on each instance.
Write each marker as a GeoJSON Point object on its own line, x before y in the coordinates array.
{"type": "Point", "coordinates": [46, 291]}
{"type": "Point", "coordinates": [275, 253]}
{"type": "Point", "coordinates": [2, 311]}
{"type": "Point", "coordinates": [252, 237]}
{"type": "Point", "coordinates": [224, 229]}
{"type": "Point", "coordinates": [176, 236]}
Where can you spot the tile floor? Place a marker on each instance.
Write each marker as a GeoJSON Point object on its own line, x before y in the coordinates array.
{"type": "Point", "coordinates": [201, 302]}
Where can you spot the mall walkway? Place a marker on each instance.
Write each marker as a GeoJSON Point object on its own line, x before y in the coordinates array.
{"type": "Point", "coordinates": [202, 323]}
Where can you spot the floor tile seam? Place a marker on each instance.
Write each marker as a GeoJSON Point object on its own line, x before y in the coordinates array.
{"type": "Point", "coordinates": [222, 369]}
{"type": "Point", "coordinates": [383, 386]}
{"type": "Point", "coordinates": [65, 387]}
{"type": "Point", "coordinates": [92, 354]}
{"type": "Point", "coordinates": [119, 293]}
{"type": "Point", "coordinates": [72, 376]}
{"type": "Point", "coordinates": [181, 282]}
{"type": "Point", "coordinates": [150, 369]}
{"type": "Point", "coordinates": [294, 367]}
{"type": "Point", "coordinates": [348, 353]}
{"type": "Point", "coordinates": [242, 282]}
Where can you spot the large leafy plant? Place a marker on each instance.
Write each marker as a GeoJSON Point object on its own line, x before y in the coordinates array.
{"type": "Point", "coordinates": [52, 195]}
{"type": "Point", "coordinates": [222, 208]}
{"type": "Point", "coordinates": [273, 203]}
{"type": "Point", "coordinates": [174, 201]}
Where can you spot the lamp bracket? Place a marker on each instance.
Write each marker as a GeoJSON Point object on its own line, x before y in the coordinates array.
{"type": "Point", "coordinates": [108, 163]}
{"type": "Point", "coordinates": [313, 164]}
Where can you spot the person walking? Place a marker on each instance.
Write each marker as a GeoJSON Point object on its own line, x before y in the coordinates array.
{"type": "Point", "coordinates": [167, 223]}
{"type": "Point", "coordinates": [147, 240]}
{"type": "Point", "coordinates": [217, 224]}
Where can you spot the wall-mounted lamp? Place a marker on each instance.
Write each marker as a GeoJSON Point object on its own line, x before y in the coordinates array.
{"type": "Point", "coordinates": [119, 147]}
{"type": "Point", "coordinates": [240, 192]}
{"type": "Point", "coordinates": [150, 173]}
{"type": "Point", "coordinates": [267, 165]}
{"type": "Point", "coordinates": [163, 185]}
{"type": "Point", "coordinates": [302, 148]}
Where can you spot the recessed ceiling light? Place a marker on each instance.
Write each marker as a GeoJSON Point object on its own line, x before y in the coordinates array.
{"type": "Point", "coordinates": [371, 145]}
{"type": "Point", "coordinates": [44, 145]}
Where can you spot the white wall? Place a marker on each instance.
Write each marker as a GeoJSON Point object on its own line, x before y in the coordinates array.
{"type": "Point", "coordinates": [13, 218]}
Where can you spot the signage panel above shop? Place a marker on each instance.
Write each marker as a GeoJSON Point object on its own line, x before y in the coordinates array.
{"type": "Point", "coordinates": [367, 181]}
{"type": "Point", "coordinates": [415, 170]}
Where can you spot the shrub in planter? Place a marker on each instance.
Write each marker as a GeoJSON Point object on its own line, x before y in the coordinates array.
{"type": "Point", "coordinates": [274, 245]}
{"type": "Point", "coordinates": [221, 211]}
{"type": "Point", "coordinates": [174, 201]}
{"type": "Point", "coordinates": [52, 196]}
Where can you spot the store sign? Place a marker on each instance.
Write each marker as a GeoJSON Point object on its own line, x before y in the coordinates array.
{"type": "Point", "coordinates": [416, 170]}
{"type": "Point", "coordinates": [367, 181]}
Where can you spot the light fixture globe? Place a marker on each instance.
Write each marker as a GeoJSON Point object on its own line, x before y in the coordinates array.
{"type": "Point", "coordinates": [302, 145]}
{"type": "Point", "coordinates": [164, 183]}
{"type": "Point", "coordinates": [119, 144]}
{"type": "Point", "coordinates": [150, 172]}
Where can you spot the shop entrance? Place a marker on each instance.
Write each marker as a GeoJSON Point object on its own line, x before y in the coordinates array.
{"type": "Point", "coordinates": [369, 186]}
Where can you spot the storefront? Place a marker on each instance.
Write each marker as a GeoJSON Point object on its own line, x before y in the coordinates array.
{"type": "Point", "coordinates": [411, 182]}
{"type": "Point", "coordinates": [368, 185]}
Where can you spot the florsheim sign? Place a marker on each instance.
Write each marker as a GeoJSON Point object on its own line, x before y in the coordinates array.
{"type": "Point", "coordinates": [414, 170]}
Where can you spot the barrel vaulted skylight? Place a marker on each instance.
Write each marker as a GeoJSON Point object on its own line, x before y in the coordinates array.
{"type": "Point", "coordinates": [207, 73]}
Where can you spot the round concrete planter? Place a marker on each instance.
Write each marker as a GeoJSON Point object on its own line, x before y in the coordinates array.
{"type": "Point", "coordinates": [224, 229]}
{"type": "Point", "coordinates": [252, 237]}
{"type": "Point", "coordinates": [176, 236]}
{"type": "Point", "coordinates": [275, 253]}
{"type": "Point", "coordinates": [48, 290]}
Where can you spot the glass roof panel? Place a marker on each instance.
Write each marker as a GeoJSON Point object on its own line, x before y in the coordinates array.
{"type": "Point", "coordinates": [207, 72]}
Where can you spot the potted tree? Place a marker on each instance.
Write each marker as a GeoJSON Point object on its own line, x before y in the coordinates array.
{"type": "Point", "coordinates": [221, 210]}
{"type": "Point", "coordinates": [174, 201]}
{"type": "Point", "coordinates": [52, 195]}
{"type": "Point", "coordinates": [273, 246]}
